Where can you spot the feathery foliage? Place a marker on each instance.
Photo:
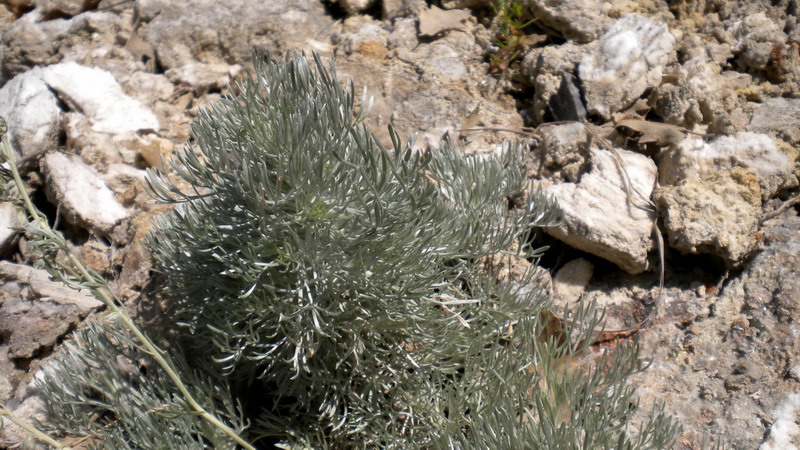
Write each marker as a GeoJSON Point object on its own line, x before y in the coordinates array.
{"type": "Point", "coordinates": [337, 292]}
{"type": "Point", "coordinates": [125, 401]}
{"type": "Point", "coordinates": [345, 280]}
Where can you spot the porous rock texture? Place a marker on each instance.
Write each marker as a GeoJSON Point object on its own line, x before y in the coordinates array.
{"type": "Point", "coordinates": [578, 20]}
{"type": "Point", "coordinates": [627, 60]}
{"type": "Point", "coordinates": [711, 193]}
{"type": "Point", "coordinates": [94, 92]}
{"type": "Point", "coordinates": [603, 214]}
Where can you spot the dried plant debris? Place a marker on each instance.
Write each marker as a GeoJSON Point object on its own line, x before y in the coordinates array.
{"type": "Point", "coordinates": [647, 132]}
{"type": "Point", "coordinates": [434, 20]}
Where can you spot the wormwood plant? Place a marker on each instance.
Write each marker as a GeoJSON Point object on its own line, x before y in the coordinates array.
{"type": "Point", "coordinates": [332, 294]}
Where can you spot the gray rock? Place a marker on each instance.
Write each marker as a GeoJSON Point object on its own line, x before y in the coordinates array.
{"type": "Point", "coordinates": [674, 103]}
{"type": "Point", "coordinates": [84, 198]}
{"type": "Point", "coordinates": [404, 34]}
{"type": "Point", "coordinates": [88, 37]}
{"type": "Point", "coordinates": [694, 94]}
{"type": "Point", "coordinates": [579, 20]}
{"type": "Point", "coordinates": [562, 155]}
{"type": "Point", "coordinates": [358, 32]}
{"type": "Point", "coordinates": [780, 117]}
{"type": "Point", "coordinates": [571, 280]}
{"type": "Point", "coordinates": [599, 219]}
{"type": "Point", "coordinates": [204, 77]}
{"type": "Point", "coordinates": [567, 104]}
{"type": "Point", "coordinates": [29, 43]}
{"type": "Point", "coordinates": [210, 32]}
{"type": "Point", "coordinates": [32, 114]}
{"type": "Point", "coordinates": [755, 35]}
{"type": "Point", "coordinates": [60, 8]}
{"type": "Point", "coordinates": [393, 9]}
{"type": "Point", "coordinates": [725, 373]}
{"type": "Point", "coordinates": [434, 90]}
{"type": "Point", "coordinates": [544, 67]}
{"type": "Point", "coordinates": [13, 436]}
{"type": "Point", "coordinates": [37, 286]}
{"type": "Point", "coordinates": [627, 60]}
{"type": "Point", "coordinates": [35, 314]}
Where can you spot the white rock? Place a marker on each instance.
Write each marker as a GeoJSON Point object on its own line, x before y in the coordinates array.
{"type": "Point", "coordinates": [44, 289]}
{"type": "Point", "coordinates": [785, 430]}
{"type": "Point", "coordinates": [629, 58]}
{"type": "Point", "coordinates": [83, 196]}
{"type": "Point", "coordinates": [757, 153]}
{"type": "Point", "coordinates": [31, 112]}
{"type": "Point", "coordinates": [97, 95]}
{"type": "Point", "coordinates": [8, 220]}
{"type": "Point", "coordinates": [355, 6]}
{"type": "Point", "coordinates": [599, 219]}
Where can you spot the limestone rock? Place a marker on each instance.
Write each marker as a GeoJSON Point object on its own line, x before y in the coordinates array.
{"type": "Point", "coordinates": [599, 219]}
{"type": "Point", "coordinates": [393, 9]}
{"type": "Point", "coordinates": [32, 114]}
{"type": "Point", "coordinates": [562, 155]}
{"type": "Point", "coordinates": [28, 43]}
{"type": "Point", "coordinates": [712, 192]}
{"type": "Point", "coordinates": [191, 31]}
{"type": "Point", "coordinates": [717, 214]}
{"type": "Point", "coordinates": [778, 116]}
{"type": "Point", "coordinates": [61, 8]}
{"type": "Point", "coordinates": [545, 67]}
{"type": "Point", "coordinates": [7, 18]}
{"type": "Point", "coordinates": [97, 95]}
{"type": "Point", "coordinates": [579, 20]}
{"type": "Point", "coordinates": [755, 35]}
{"type": "Point", "coordinates": [571, 280]}
{"type": "Point", "coordinates": [83, 196]}
{"type": "Point", "coordinates": [756, 153]}
{"type": "Point", "coordinates": [404, 34]}
{"type": "Point", "coordinates": [716, 366]}
{"type": "Point", "coordinates": [359, 33]}
{"type": "Point", "coordinates": [204, 77]}
{"type": "Point", "coordinates": [434, 90]}
{"type": "Point", "coordinates": [87, 38]}
{"type": "Point", "coordinates": [36, 313]}
{"type": "Point", "coordinates": [627, 60]}
{"type": "Point", "coordinates": [38, 286]}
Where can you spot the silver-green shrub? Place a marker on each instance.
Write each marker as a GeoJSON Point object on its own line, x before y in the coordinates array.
{"type": "Point", "coordinates": [336, 290]}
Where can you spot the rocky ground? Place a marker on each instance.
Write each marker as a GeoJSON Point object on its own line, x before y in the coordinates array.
{"type": "Point", "coordinates": [645, 119]}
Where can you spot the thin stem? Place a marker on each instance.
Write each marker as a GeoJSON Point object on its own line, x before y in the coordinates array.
{"type": "Point", "coordinates": [104, 294]}
{"type": "Point", "coordinates": [33, 431]}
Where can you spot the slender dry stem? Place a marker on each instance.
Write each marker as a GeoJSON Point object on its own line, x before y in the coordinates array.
{"type": "Point", "coordinates": [104, 294]}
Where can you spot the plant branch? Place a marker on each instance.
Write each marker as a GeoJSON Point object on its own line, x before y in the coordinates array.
{"type": "Point", "coordinates": [102, 292]}
{"type": "Point", "coordinates": [33, 431]}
